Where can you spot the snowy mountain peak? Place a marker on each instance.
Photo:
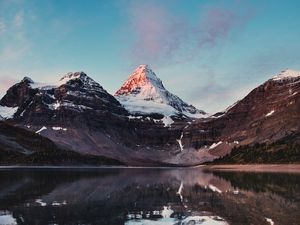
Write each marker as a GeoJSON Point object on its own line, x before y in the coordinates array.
{"type": "Point", "coordinates": [144, 93]}
{"type": "Point", "coordinates": [286, 75]}
{"type": "Point", "coordinates": [72, 76]}
{"type": "Point", "coordinates": [83, 77]}
{"type": "Point", "coordinates": [143, 82]}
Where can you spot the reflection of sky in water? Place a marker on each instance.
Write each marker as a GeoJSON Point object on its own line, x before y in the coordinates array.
{"type": "Point", "coordinates": [152, 196]}
{"type": "Point", "coordinates": [6, 218]}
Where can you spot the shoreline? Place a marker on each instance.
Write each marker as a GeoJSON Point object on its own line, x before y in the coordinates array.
{"type": "Point", "coordinates": [275, 168]}
{"type": "Point", "coordinates": [270, 168]}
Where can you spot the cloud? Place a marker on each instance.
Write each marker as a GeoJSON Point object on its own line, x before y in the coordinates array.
{"type": "Point", "coordinates": [165, 38]}
{"type": "Point", "coordinates": [19, 19]}
{"type": "Point", "coordinates": [216, 24]}
{"type": "Point", "coordinates": [13, 34]}
{"type": "Point", "coordinates": [158, 33]}
{"type": "Point", "coordinates": [12, 53]}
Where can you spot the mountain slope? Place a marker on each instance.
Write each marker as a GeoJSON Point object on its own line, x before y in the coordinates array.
{"type": "Point", "coordinates": [21, 147]}
{"type": "Point", "coordinates": [286, 150]}
{"type": "Point", "coordinates": [267, 114]}
{"type": "Point", "coordinates": [144, 93]}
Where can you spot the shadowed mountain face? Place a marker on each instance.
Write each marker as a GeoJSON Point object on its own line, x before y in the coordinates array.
{"type": "Point", "coordinates": [78, 114]}
{"type": "Point", "coordinates": [22, 147]}
{"type": "Point", "coordinates": [127, 196]}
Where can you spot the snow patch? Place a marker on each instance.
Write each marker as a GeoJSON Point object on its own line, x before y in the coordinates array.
{"type": "Point", "coordinates": [54, 106]}
{"type": "Point", "coordinates": [43, 86]}
{"type": "Point", "coordinates": [134, 117]}
{"type": "Point", "coordinates": [40, 130]}
{"type": "Point", "coordinates": [214, 188]}
{"type": "Point", "coordinates": [286, 75]}
{"type": "Point", "coordinates": [59, 203]}
{"type": "Point", "coordinates": [270, 221]}
{"type": "Point", "coordinates": [270, 113]}
{"type": "Point", "coordinates": [166, 212]}
{"type": "Point", "coordinates": [7, 112]}
{"type": "Point", "coordinates": [167, 121]}
{"type": "Point", "coordinates": [59, 128]}
{"type": "Point", "coordinates": [7, 218]}
{"type": "Point", "coordinates": [143, 107]}
{"type": "Point", "coordinates": [179, 141]}
{"type": "Point", "coordinates": [214, 145]}
{"type": "Point", "coordinates": [40, 201]}
{"type": "Point", "coordinates": [179, 192]}
{"type": "Point", "coordinates": [236, 192]}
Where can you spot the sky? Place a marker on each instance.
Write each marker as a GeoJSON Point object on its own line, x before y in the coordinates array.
{"type": "Point", "coordinates": [210, 53]}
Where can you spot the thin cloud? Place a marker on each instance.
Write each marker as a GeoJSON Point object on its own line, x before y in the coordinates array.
{"type": "Point", "coordinates": [215, 25]}
{"type": "Point", "coordinates": [12, 53]}
{"type": "Point", "coordinates": [163, 38]}
{"type": "Point", "coordinates": [17, 43]}
{"type": "Point", "coordinates": [159, 34]}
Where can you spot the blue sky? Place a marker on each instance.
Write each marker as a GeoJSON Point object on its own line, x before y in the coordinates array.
{"type": "Point", "coordinates": [210, 53]}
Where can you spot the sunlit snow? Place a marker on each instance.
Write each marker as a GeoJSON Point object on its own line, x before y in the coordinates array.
{"type": "Point", "coordinates": [144, 93]}
{"type": "Point", "coordinates": [59, 128]}
{"type": "Point", "coordinates": [270, 113]}
{"type": "Point", "coordinates": [214, 145]}
{"type": "Point", "coordinates": [270, 221]}
{"type": "Point", "coordinates": [286, 74]}
{"type": "Point", "coordinates": [40, 130]}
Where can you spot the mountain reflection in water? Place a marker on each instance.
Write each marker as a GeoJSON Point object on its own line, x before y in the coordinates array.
{"type": "Point", "coordinates": [148, 196]}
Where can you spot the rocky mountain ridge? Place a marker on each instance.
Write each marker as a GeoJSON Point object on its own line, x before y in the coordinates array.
{"type": "Point", "coordinates": [78, 114]}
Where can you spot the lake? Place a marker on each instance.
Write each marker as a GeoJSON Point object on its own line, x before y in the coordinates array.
{"type": "Point", "coordinates": [148, 196]}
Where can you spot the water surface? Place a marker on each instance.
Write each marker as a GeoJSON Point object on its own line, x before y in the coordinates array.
{"type": "Point", "coordinates": [148, 196]}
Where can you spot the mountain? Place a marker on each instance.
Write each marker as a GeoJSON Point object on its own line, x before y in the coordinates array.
{"type": "Point", "coordinates": [147, 128]}
{"type": "Point", "coordinates": [40, 102]}
{"type": "Point", "coordinates": [78, 114]}
{"type": "Point", "coordinates": [143, 93]}
{"type": "Point", "coordinates": [75, 112]}
{"type": "Point", "coordinates": [269, 113]}
{"type": "Point", "coordinates": [22, 147]}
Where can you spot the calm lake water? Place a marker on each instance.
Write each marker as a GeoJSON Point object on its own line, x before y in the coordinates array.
{"type": "Point", "coordinates": [148, 196]}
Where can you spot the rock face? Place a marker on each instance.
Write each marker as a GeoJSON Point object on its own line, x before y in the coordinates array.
{"type": "Point", "coordinates": [150, 126]}
{"type": "Point", "coordinates": [78, 114]}
{"type": "Point", "coordinates": [268, 113]}
{"type": "Point", "coordinates": [144, 93]}
{"type": "Point", "coordinates": [72, 98]}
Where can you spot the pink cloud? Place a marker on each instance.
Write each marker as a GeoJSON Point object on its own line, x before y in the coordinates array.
{"type": "Point", "coordinates": [163, 38]}
{"type": "Point", "coordinates": [216, 24]}
{"type": "Point", "coordinates": [158, 34]}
